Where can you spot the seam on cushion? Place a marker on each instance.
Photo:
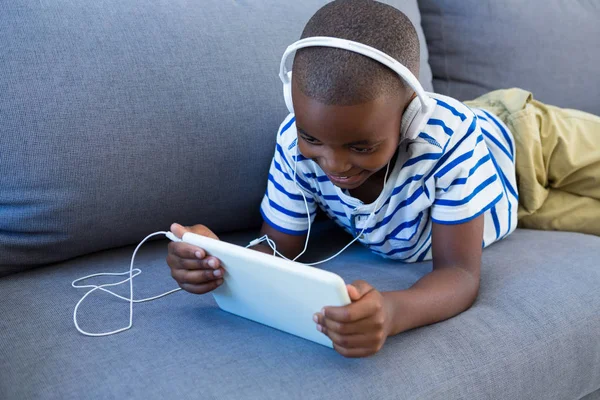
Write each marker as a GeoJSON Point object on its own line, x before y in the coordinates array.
{"type": "Point", "coordinates": [458, 378]}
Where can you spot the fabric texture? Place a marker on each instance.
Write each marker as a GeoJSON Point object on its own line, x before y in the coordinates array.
{"type": "Point", "coordinates": [558, 161]}
{"type": "Point", "coordinates": [531, 334]}
{"type": "Point", "coordinates": [547, 47]}
{"type": "Point", "coordinates": [459, 167]}
{"type": "Point", "coordinates": [118, 118]}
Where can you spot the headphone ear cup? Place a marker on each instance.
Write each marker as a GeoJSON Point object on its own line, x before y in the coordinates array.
{"type": "Point", "coordinates": [287, 93]}
{"type": "Point", "coordinates": [419, 120]}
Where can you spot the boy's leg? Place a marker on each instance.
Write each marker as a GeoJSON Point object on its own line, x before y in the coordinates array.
{"type": "Point", "coordinates": [557, 161]}
{"type": "Point", "coordinates": [564, 211]}
{"type": "Point", "coordinates": [571, 148]}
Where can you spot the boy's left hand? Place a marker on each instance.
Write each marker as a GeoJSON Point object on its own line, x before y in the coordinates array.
{"type": "Point", "coordinates": [358, 329]}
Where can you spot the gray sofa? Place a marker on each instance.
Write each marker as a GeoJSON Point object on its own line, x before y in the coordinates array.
{"type": "Point", "coordinates": [118, 118]}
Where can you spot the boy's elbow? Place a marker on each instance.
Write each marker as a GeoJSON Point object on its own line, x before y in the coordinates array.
{"type": "Point", "coordinates": [472, 284]}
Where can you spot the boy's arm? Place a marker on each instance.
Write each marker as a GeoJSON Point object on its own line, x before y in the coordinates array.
{"type": "Point", "coordinates": [361, 328]}
{"type": "Point", "coordinates": [453, 284]}
{"type": "Point", "coordinates": [288, 245]}
{"type": "Point", "coordinates": [450, 288]}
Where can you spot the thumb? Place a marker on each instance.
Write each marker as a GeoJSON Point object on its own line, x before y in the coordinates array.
{"type": "Point", "coordinates": [358, 289]}
{"type": "Point", "coordinates": [179, 230]}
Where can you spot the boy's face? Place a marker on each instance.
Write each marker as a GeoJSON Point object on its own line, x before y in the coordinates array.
{"type": "Point", "coordinates": [349, 143]}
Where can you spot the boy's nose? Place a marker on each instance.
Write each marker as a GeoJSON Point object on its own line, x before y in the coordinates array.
{"type": "Point", "coordinates": [336, 165]}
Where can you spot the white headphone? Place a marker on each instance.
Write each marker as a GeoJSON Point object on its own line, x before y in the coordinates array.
{"type": "Point", "coordinates": [420, 118]}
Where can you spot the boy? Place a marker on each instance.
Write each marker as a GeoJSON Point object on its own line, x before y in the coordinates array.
{"type": "Point", "coordinates": [447, 192]}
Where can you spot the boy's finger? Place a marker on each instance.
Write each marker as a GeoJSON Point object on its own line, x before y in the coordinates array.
{"type": "Point", "coordinates": [352, 312]}
{"type": "Point", "coordinates": [348, 328]}
{"type": "Point", "coordinates": [211, 262]}
{"type": "Point", "coordinates": [202, 288]}
{"type": "Point", "coordinates": [186, 250]}
{"type": "Point", "coordinates": [349, 341]}
{"type": "Point", "coordinates": [183, 263]}
{"type": "Point", "coordinates": [352, 353]}
{"type": "Point", "coordinates": [178, 230]}
{"type": "Point", "coordinates": [203, 230]}
{"type": "Point", "coordinates": [208, 264]}
{"type": "Point", "coordinates": [358, 289]}
{"type": "Point", "coordinates": [197, 277]}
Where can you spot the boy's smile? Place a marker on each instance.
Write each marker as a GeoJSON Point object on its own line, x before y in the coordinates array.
{"type": "Point", "coordinates": [351, 143]}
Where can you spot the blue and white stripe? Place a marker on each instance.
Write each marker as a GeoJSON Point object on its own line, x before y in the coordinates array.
{"type": "Point", "coordinates": [459, 167]}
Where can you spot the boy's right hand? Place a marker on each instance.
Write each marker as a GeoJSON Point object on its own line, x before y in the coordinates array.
{"type": "Point", "coordinates": [190, 266]}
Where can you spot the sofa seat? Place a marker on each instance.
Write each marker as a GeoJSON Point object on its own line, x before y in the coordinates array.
{"type": "Point", "coordinates": [533, 333]}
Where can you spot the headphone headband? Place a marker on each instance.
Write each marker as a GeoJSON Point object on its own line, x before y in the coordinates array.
{"type": "Point", "coordinates": [363, 49]}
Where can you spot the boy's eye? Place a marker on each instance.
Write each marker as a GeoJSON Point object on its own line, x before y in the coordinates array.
{"type": "Point", "coordinates": [363, 150]}
{"type": "Point", "coordinates": [309, 139]}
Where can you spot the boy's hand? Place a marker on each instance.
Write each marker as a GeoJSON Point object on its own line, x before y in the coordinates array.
{"type": "Point", "coordinates": [358, 329]}
{"type": "Point", "coordinates": [190, 267]}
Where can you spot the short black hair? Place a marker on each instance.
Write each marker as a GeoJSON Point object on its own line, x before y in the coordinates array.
{"type": "Point", "coordinates": [341, 77]}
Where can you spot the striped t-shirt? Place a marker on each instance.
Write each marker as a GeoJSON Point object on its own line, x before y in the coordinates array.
{"type": "Point", "coordinates": [460, 166]}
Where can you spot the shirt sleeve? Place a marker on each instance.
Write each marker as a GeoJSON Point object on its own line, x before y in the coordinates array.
{"type": "Point", "coordinates": [283, 206]}
{"type": "Point", "coordinates": [467, 183]}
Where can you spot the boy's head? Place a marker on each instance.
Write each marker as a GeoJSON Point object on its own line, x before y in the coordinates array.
{"type": "Point", "coordinates": [348, 107]}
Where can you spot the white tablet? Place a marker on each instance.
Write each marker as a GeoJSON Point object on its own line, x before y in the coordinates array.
{"type": "Point", "coordinates": [271, 290]}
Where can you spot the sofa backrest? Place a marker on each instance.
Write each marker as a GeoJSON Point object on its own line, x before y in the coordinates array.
{"type": "Point", "coordinates": [119, 117]}
{"type": "Point", "coordinates": [549, 47]}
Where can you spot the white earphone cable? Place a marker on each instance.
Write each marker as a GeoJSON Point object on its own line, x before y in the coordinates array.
{"type": "Point", "coordinates": [273, 246]}
{"type": "Point", "coordinates": [362, 230]}
{"type": "Point", "coordinates": [305, 206]}
{"type": "Point", "coordinates": [132, 274]}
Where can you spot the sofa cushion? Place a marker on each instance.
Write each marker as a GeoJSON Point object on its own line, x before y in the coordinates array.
{"type": "Point", "coordinates": [551, 48]}
{"type": "Point", "coordinates": [531, 334]}
{"type": "Point", "coordinates": [120, 117]}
